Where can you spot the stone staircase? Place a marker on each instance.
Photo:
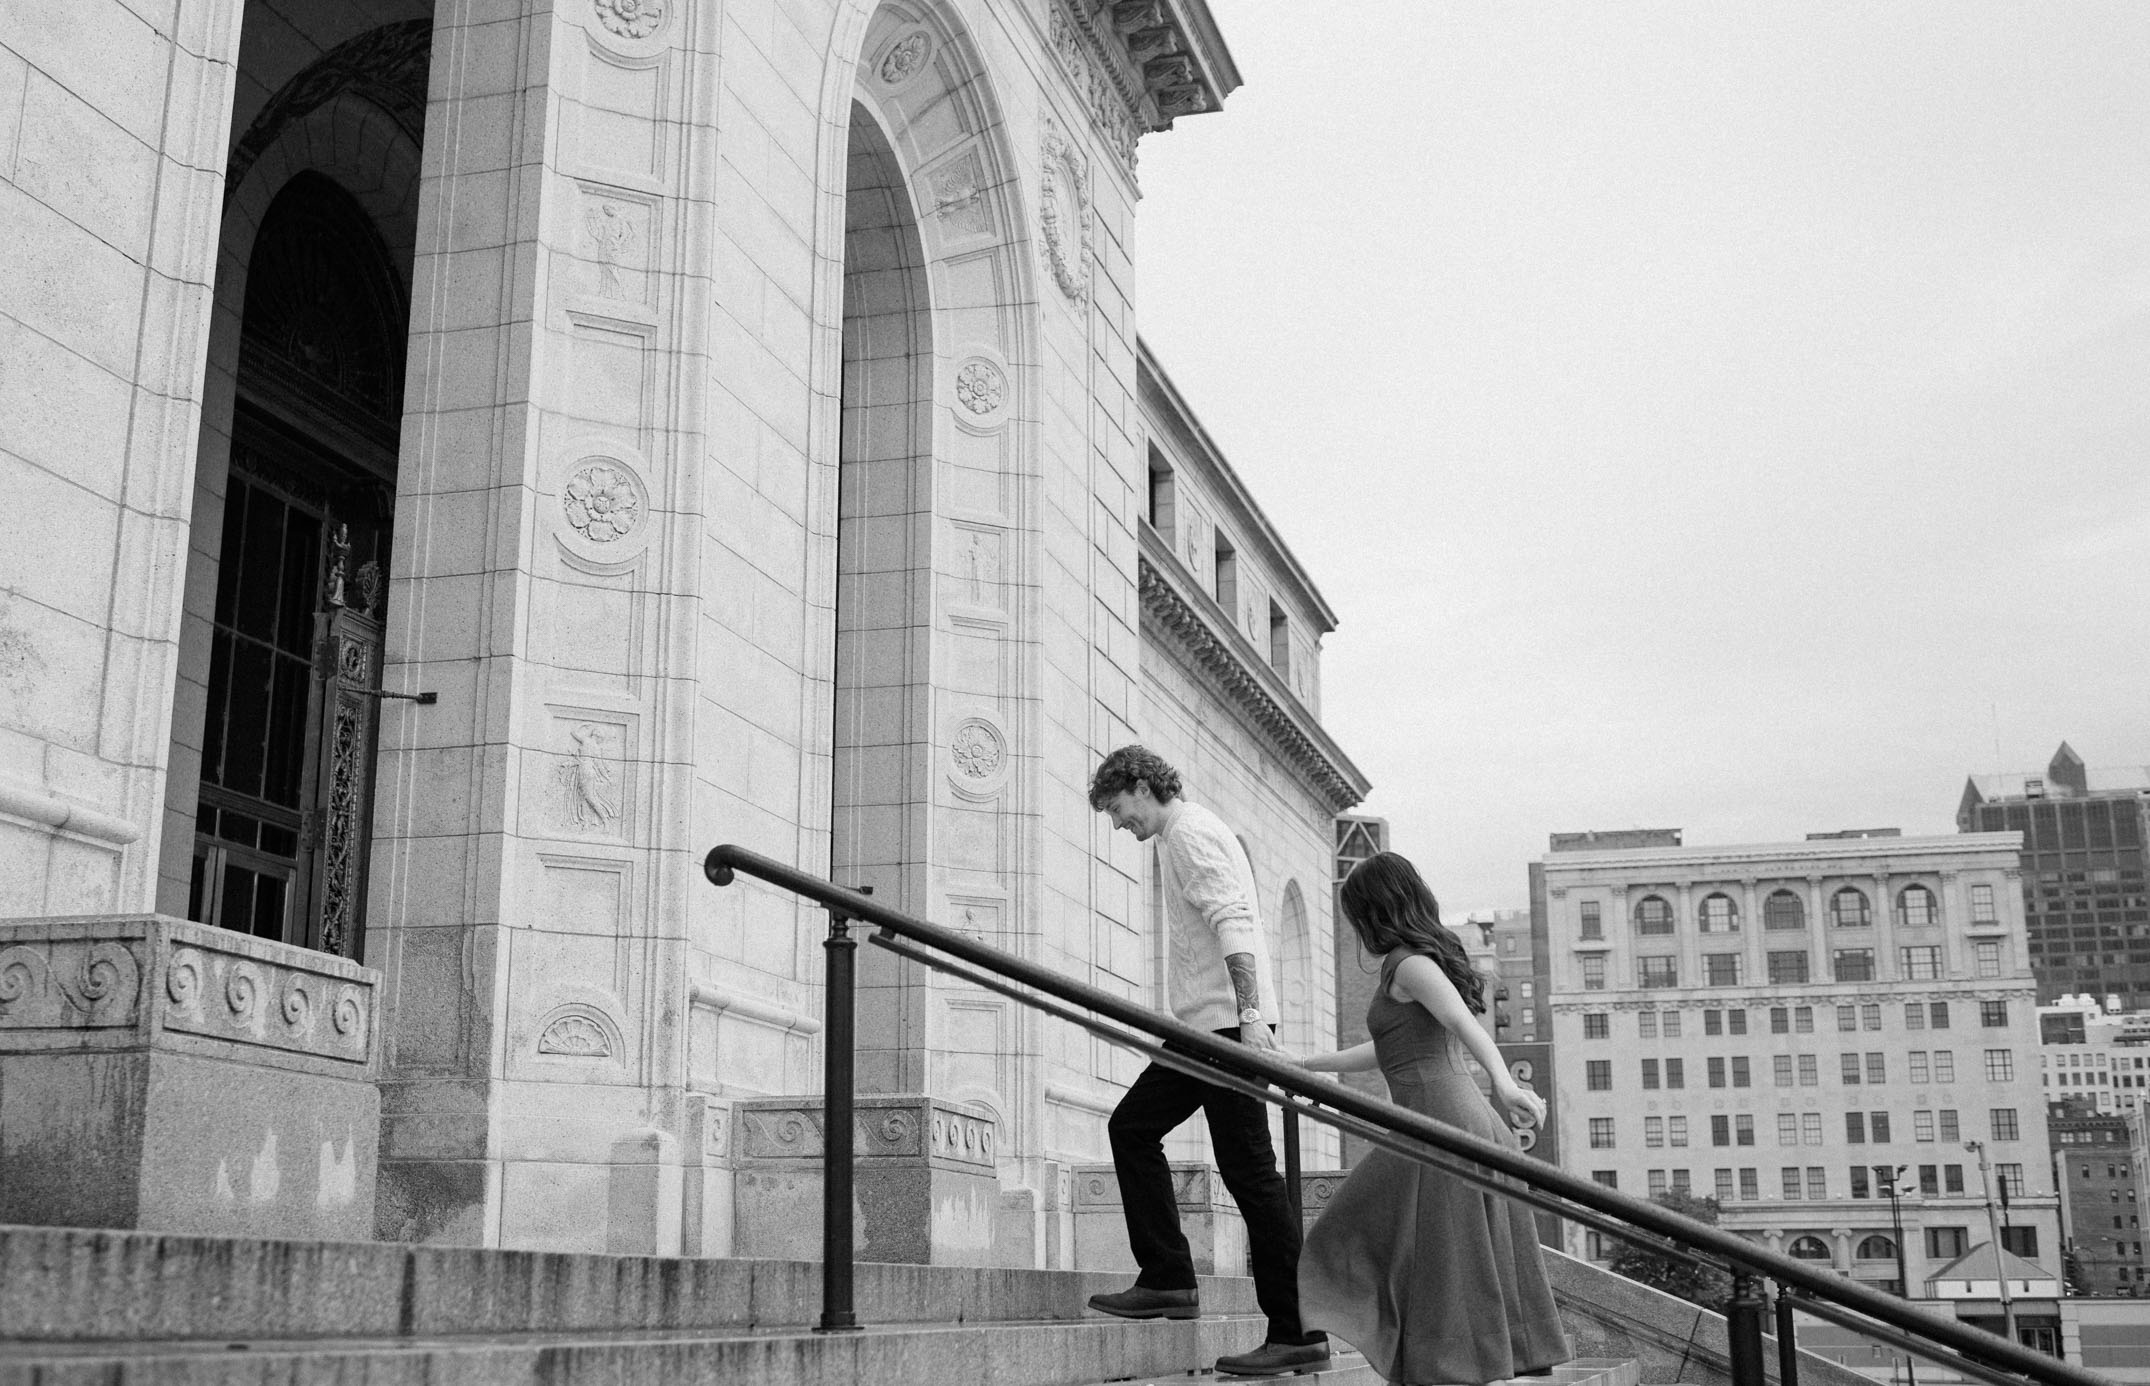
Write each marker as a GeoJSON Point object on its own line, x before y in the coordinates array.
{"type": "Point", "coordinates": [122, 1308]}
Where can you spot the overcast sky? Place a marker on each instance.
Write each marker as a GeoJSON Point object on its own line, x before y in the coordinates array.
{"type": "Point", "coordinates": [1724, 417]}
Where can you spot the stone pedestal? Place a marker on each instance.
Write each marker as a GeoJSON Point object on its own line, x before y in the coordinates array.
{"type": "Point", "coordinates": [161, 1074]}
{"type": "Point", "coordinates": [1216, 1235]}
{"type": "Point", "coordinates": [924, 1187]}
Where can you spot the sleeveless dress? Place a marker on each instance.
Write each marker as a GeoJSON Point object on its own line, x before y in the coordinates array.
{"type": "Point", "coordinates": [1434, 1279]}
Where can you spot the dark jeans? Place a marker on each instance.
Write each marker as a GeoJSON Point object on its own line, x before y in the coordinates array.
{"type": "Point", "coordinates": [1161, 1099]}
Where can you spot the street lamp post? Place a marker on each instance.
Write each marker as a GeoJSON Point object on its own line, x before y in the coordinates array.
{"type": "Point", "coordinates": [1993, 1231]}
{"type": "Point", "coordinates": [1903, 1279]}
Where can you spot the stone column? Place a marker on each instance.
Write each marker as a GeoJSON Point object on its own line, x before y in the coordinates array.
{"type": "Point", "coordinates": [112, 133]}
{"type": "Point", "coordinates": [534, 836]}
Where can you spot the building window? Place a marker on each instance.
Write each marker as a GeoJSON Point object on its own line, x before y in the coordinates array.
{"type": "Point", "coordinates": [1917, 1059]}
{"type": "Point", "coordinates": [1877, 1068]}
{"type": "Point", "coordinates": [1922, 1126]}
{"type": "Point", "coordinates": [1594, 972]}
{"type": "Point", "coordinates": [1657, 972]}
{"type": "Point", "coordinates": [1944, 1065]}
{"type": "Point", "coordinates": [1161, 496]}
{"type": "Point", "coordinates": [1922, 964]}
{"type": "Point", "coordinates": [1597, 1025]}
{"type": "Point", "coordinates": [1601, 1133]}
{"type": "Point", "coordinates": [1782, 910]}
{"type": "Point", "coordinates": [1669, 1023]}
{"type": "Point", "coordinates": [1226, 587]}
{"type": "Point", "coordinates": [1848, 1066]}
{"type": "Point", "coordinates": [1986, 956]}
{"type": "Point", "coordinates": [1735, 1021]}
{"type": "Point", "coordinates": [1992, 1014]}
{"type": "Point", "coordinates": [1982, 904]}
{"type": "Point", "coordinates": [1859, 1188]}
{"type": "Point", "coordinates": [1279, 641]}
{"type": "Point", "coordinates": [1598, 1075]}
{"type": "Point", "coordinates": [1915, 908]}
{"type": "Point", "coordinates": [1847, 1018]}
{"type": "Point", "coordinates": [1808, 1248]}
{"type": "Point", "coordinates": [1848, 909]}
{"type": "Point", "coordinates": [1742, 1075]}
{"type": "Point", "coordinates": [2000, 1065]}
{"type": "Point", "coordinates": [1719, 915]}
{"type": "Point", "coordinates": [1875, 1248]}
{"type": "Point", "coordinates": [1787, 1128]}
{"type": "Point", "coordinates": [1657, 1183]}
{"type": "Point", "coordinates": [1750, 1184]}
{"type": "Point", "coordinates": [1802, 1020]}
{"type": "Point", "coordinates": [1713, 1022]}
{"type": "Point", "coordinates": [1593, 923]}
{"type": "Point", "coordinates": [1720, 1130]}
{"type": "Point", "coordinates": [1599, 1247]}
{"type": "Point", "coordinates": [1676, 1136]}
{"type": "Point", "coordinates": [1720, 969]}
{"type": "Point", "coordinates": [1855, 1128]}
{"type": "Point", "coordinates": [1649, 1074]}
{"type": "Point", "coordinates": [1952, 1178]}
{"type": "Point", "coordinates": [1930, 1180]}
{"type": "Point", "coordinates": [1950, 1129]}
{"type": "Point", "coordinates": [1810, 1075]}
{"type": "Point", "coordinates": [1947, 1243]}
{"type": "Point", "coordinates": [1780, 1017]}
{"type": "Point", "coordinates": [1790, 1177]}
{"type": "Point", "coordinates": [1810, 1128]}
{"type": "Point", "coordinates": [1609, 1178]}
{"type": "Point", "coordinates": [1675, 1073]}
{"type": "Point", "coordinates": [1786, 969]}
{"type": "Point", "coordinates": [1653, 917]}
{"type": "Point", "coordinates": [1877, 1126]}
{"type": "Point", "coordinates": [1716, 1067]}
{"type": "Point", "coordinates": [1646, 1024]}
{"type": "Point", "coordinates": [1743, 1129]}
{"type": "Point", "coordinates": [1854, 964]}
{"type": "Point", "coordinates": [1653, 1132]}
{"type": "Point", "coordinates": [1870, 1015]}
{"type": "Point", "coordinates": [2004, 1124]}
{"type": "Point", "coordinates": [1914, 1015]}
{"type": "Point", "coordinates": [1781, 1069]}
{"type": "Point", "coordinates": [1724, 1186]}
{"type": "Point", "coordinates": [1937, 1015]}
{"type": "Point", "coordinates": [2010, 1178]}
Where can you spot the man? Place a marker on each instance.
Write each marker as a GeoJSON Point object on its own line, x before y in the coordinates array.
{"type": "Point", "coordinates": [1218, 979]}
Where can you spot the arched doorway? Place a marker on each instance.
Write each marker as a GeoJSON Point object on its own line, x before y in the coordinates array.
{"type": "Point", "coordinates": [302, 551]}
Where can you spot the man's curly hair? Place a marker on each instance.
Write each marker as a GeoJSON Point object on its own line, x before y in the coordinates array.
{"type": "Point", "coordinates": [1119, 772]}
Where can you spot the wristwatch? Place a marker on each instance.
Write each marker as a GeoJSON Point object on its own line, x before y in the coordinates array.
{"type": "Point", "coordinates": [1251, 1015]}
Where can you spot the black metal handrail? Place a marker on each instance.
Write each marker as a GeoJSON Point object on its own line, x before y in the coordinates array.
{"type": "Point", "coordinates": [1486, 1162]}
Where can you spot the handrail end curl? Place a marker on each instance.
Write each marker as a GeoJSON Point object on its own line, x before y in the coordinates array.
{"type": "Point", "coordinates": [716, 868]}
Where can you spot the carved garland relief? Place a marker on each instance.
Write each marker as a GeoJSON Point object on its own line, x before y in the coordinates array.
{"type": "Point", "coordinates": [1064, 214]}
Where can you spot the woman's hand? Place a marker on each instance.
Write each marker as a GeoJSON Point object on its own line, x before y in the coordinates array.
{"type": "Point", "coordinates": [1518, 1104]}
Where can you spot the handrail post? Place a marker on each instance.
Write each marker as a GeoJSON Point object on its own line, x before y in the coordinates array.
{"type": "Point", "coordinates": [1743, 1325]}
{"type": "Point", "coordinates": [1291, 1167]}
{"type": "Point", "coordinates": [840, 952]}
{"type": "Point", "coordinates": [1787, 1338]}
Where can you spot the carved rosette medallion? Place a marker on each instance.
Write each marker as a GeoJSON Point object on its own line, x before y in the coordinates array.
{"type": "Point", "coordinates": [977, 750]}
{"type": "Point", "coordinates": [981, 387]}
{"type": "Point", "coordinates": [905, 58]}
{"type": "Point", "coordinates": [1064, 214]}
{"type": "Point", "coordinates": [630, 19]}
{"type": "Point", "coordinates": [603, 502]}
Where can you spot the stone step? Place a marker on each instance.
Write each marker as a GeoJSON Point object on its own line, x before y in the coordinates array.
{"type": "Point", "coordinates": [71, 1284]}
{"type": "Point", "coordinates": [1049, 1353]}
{"type": "Point", "coordinates": [1347, 1368]}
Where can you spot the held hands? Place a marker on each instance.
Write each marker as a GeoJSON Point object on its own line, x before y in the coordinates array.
{"type": "Point", "coordinates": [1518, 1104]}
{"type": "Point", "coordinates": [1258, 1036]}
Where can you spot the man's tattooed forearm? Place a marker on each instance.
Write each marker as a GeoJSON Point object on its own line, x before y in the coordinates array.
{"type": "Point", "coordinates": [1244, 985]}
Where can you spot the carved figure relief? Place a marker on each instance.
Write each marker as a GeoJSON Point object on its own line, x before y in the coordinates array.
{"type": "Point", "coordinates": [977, 749]}
{"type": "Point", "coordinates": [980, 387]}
{"type": "Point", "coordinates": [607, 231]}
{"type": "Point", "coordinates": [1064, 214]}
{"type": "Point", "coordinates": [602, 502]}
{"type": "Point", "coordinates": [959, 198]}
{"type": "Point", "coordinates": [587, 778]}
{"type": "Point", "coordinates": [979, 567]}
{"type": "Point", "coordinates": [906, 58]}
{"type": "Point", "coordinates": [633, 19]}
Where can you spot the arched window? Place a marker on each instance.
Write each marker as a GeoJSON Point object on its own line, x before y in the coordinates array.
{"type": "Point", "coordinates": [1808, 1249]}
{"type": "Point", "coordinates": [1783, 910]}
{"type": "Point", "coordinates": [1876, 1248]}
{"type": "Point", "coordinates": [1653, 916]}
{"type": "Point", "coordinates": [1915, 908]}
{"type": "Point", "coordinates": [1848, 909]}
{"type": "Point", "coordinates": [1719, 915]}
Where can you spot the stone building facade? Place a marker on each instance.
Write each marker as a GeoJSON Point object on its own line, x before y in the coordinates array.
{"type": "Point", "coordinates": [1794, 1029]}
{"type": "Point", "coordinates": [505, 450]}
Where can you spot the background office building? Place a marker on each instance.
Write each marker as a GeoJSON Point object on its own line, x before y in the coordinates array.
{"type": "Point", "coordinates": [2084, 898]}
{"type": "Point", "coordinates": [2101, 1181]}
{"type": "Point", "coordinates": [1801, 1031]}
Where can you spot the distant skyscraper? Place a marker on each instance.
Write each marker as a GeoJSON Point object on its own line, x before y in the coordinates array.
{"type": "Point", "coordinates": [2084, 897]}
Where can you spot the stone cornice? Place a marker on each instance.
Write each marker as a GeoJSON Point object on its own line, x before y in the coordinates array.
{"type": "Point", "coordinates": [1141, 64]}
{"type": "Point", "coordinates": [1200, 630]}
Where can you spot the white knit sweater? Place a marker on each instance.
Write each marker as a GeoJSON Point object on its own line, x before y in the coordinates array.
{"type": "Point", "coordinates": [1209, 915]}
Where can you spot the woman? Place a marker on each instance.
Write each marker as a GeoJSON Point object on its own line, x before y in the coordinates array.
{"type": "Point", "coordinates": [1433, 1278]}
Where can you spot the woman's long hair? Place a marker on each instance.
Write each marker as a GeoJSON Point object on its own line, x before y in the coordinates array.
{"type": "Point", "coordinates": [1390, 907]}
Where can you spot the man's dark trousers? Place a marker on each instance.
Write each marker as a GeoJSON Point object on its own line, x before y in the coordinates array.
{"type": "Point", "coordinates": [1160, 1100]}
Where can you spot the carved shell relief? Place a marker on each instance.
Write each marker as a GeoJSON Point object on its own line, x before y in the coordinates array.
{"type": "Point", "coordinates": [1064, 214]}
{"type": "Point", "coordinates": [579, 1030]}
